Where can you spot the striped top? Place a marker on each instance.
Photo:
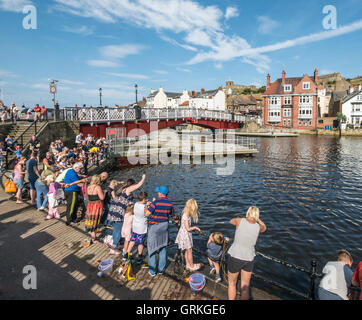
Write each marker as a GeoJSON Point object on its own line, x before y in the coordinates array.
{"type": "Point", "coordinates": [161, 210]}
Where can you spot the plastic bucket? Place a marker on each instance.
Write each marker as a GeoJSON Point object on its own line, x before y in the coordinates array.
{"type": "Point", "coordinates": [197, 283]}
{"type": "Point", "coordinates": [106, 267]}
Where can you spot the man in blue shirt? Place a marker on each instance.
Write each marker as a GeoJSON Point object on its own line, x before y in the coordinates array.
{"type": "Point", "coordinates": [72, 192]}
{"type": "Point", "coordinates": [33, 175]}
{"type": "Point", "coordinates": [158, 215]}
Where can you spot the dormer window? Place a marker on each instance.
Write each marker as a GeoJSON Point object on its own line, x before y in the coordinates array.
{"type": "Point", "coordinates": [288, 88]}
{"type": "Point", "coordinates": [306, 85]}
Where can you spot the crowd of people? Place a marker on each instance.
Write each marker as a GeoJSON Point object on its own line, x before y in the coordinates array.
{"type": "Point", "coordinates": [120, 206]}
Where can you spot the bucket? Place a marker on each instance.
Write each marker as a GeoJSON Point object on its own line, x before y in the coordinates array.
{"type": "Point", "coordinates": [197, 283]}
{"type": "Point", "coordinates": [106, 267]}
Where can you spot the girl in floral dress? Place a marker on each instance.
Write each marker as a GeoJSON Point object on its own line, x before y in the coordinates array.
{"type": "Point", "coordinates": [184, 236]}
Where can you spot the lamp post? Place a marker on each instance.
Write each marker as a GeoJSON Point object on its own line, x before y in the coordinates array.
{"type": "Point", "coordinates": [100, 97]}
{"type": "Point", "coordinates": [53, 91]}
{"type": "Point", "coordinates": [136, 87]}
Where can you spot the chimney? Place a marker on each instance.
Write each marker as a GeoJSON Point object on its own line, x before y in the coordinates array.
{"type": "Point", "coordinates": [359, 87]}
{"type": "Point", "coordinates": [316, 75]}
{"type": "Point", "coordinates": [202, 90]}
{"type": "Point", "coordinates": [152, 90]}
{"type": "Point", "coordinates": [268, 80]}
{"type": "Point", "coordinates": [193, 94]}
{"type": "Point", "coordinates": [283, 77]}
{"type": "Point", "coordinates": [351, 90]}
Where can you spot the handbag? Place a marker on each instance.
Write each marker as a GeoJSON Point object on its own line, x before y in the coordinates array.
{"type": "Point", "coordinates": [10, 187]}
{"type": "Point", "coordinates": [60, 194]}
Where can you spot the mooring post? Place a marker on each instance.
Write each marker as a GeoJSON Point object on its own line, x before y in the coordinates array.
{"type": "Point", "coordinates": [312, 275]}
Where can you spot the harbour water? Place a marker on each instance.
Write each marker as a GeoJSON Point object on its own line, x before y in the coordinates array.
{"type": "Point", "coordinates": [308, 189]}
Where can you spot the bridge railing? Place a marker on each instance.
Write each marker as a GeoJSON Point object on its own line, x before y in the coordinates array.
{"type": "Point", "coordinates": [96, 115]}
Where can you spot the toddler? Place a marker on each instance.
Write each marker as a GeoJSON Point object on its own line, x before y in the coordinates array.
{"type": "Point", "coordinates": [55, 194]}
{"type": "Point", "coordinates": [127, 229]}
{"type": "Point", "coordinates": [214, 252]}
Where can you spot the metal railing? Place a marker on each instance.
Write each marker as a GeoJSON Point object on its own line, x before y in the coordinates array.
{"type": "Point", "coordinates": [312, 272]}
{"type": "Point", "coordinates": [20, 140]}
{"type": "Point", "coordinates": [101, 115]}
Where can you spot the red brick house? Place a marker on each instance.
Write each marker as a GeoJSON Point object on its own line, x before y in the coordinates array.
{"type": "Point", "coordinates": [291, 102]}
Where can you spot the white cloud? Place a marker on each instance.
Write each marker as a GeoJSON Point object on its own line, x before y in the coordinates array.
{"type": "Point", "coordinates": [201, 25]}
{"type": "Point", "coordinates": [183, 70]}
{"type": "Point", "coordinates": [129, 75]}
{"type": "Point", "coordinates": [121, 51]}
{"type": "Point", "coordinates": [160, 71]}
{"type": "Point", "coordinates": [240, 48]}
{"type": "Point", "coordinates": [14, 5]}
{"type": "Point", "coordinates": [41, 86]}
{"type": "Point", "coordinates": [102, 63]}
{"type": "Point", "coordinates": [177, 44]}
{"type": "Point", "coordinates": [267, 25]}
{"type": "Point", "coordinates": [76, 83]}
{"type": "Point", "coordinates": [82, 30]}
{"type": "Point", "coordinates": [231, 12]}
{"type": "Point", "coordinates": [199, 37]}
{"type": "Point", "coordinates": [8, 74]}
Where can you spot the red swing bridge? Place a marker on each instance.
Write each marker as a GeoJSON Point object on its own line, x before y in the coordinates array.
{"type": "Point", "coordinates": [121, 123]}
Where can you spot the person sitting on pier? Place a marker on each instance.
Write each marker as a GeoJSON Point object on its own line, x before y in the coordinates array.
{"type": "Point", "coordinates": [337, 278]}
{"type": "Point", "coordinates": [242, 251]}
{"type": "Point", "coordinates": [158, 213]}
{"type": "Point", "coordinates": [184, 236]}
{"type": "Point", "coordinates": [214, 253]}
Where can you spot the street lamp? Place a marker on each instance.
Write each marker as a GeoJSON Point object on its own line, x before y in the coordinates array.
{"type": "Point", "coordinates": [100, 97]}
{"type": "Point", "coordinates": [136, 87]}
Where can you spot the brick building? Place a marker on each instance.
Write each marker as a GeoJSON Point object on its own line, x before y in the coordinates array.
{"type": "Point", "coordinates": [291, 102]}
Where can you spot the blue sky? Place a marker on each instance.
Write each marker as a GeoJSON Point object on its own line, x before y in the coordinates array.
{"type": "Point", "coordinates": [176, 44]}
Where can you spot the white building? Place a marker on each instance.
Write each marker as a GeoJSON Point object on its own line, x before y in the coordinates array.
{"type": "Point", "coordinates": [209, 100]}
{"type": "Point", "coordinates": [352, 106]}
{"type": "Point", "coordinates": [161, 99]}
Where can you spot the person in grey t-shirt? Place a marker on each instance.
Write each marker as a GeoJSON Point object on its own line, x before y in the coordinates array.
{"type": "Point", "coordinates": [337, 278]}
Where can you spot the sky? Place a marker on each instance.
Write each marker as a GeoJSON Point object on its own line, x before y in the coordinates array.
{"type": "Point", "coordinates": [174, 44]}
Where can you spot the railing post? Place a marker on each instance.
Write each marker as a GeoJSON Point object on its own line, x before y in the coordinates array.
{"type": "Point", "coordinates": [312, 275]}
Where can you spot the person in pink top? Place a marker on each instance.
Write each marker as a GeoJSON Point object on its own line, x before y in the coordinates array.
{"type": "Point", "coordinates": [19, 174]}
{"type": "Point", "coordinates": [127, 229]}
{"type": "Point", "coordinates": [54, 194]}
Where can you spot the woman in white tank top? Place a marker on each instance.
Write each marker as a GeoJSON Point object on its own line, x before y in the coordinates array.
{"type": "Point", "coordinates": [242, 251]}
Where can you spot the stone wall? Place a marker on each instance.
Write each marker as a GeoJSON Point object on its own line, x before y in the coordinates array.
{"type": "Point", "coordinates": [64, 130]}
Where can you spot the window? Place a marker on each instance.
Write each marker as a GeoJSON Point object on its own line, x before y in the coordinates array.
{"type": "Point", "coordinates": [359, 97]}
{"type": "Point", "coordinates": [288, 100]}
{"type": "Point", "coordinates": [305, 99]}
{"type": "Point", "coordinates": [310, 123]}
{"type": "Point", "coordinates": [289, 122]}
{"type": "Point", "coordinates": [287, 112]}
{"type": "Point", "coordinates": [300, 123]}
{"type": "Point", "coordinates": [306, 85]}
{"type": "Point", "coordinates": [284, 122]}
{"type": "Point", "coordinates": [274, 100]}
{"type": "Point", "coordinates": [287, 87]}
